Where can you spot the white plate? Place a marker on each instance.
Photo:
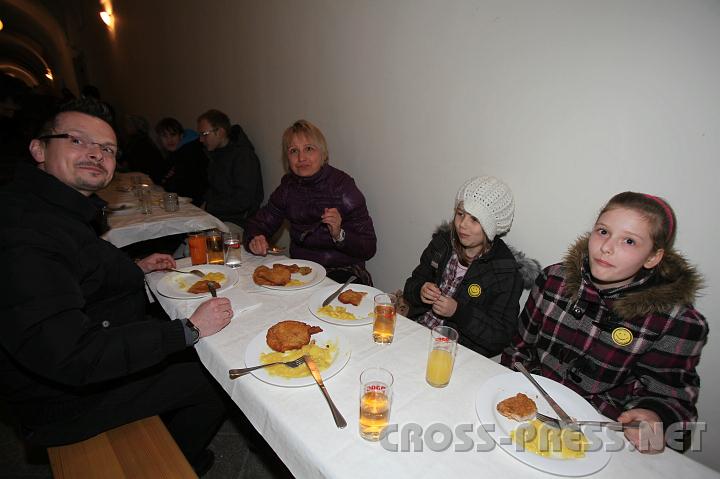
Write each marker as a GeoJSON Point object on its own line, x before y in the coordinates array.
{"type": "Point", "coordinates": [504, 386]}
{"type": "Point", "coordinates": [316, 275]}
{"type": "Point", "coordinates": [362, 311]}
{"type": "Point", "coordinates": [329, 334]}
{"type": "Point", "coordinates": [183, 200]}
{"type": "Point", "coordinates": [175, 285]}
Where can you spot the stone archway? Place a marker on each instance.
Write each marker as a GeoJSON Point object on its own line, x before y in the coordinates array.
{"type": "Point", "coordinates": [33, 42]}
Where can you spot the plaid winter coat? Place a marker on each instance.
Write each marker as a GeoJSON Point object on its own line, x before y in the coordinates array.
{"type": "Point", "coordinates": [635, 346]}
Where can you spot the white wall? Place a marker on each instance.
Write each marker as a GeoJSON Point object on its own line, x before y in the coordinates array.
{"type": "Point", "coordinates": [567, 101]}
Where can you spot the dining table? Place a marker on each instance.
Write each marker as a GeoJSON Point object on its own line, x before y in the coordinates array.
{"type": "Point", "coordinates": [436, 432]}
{"type": "Point", "coordinates": [128, 224]}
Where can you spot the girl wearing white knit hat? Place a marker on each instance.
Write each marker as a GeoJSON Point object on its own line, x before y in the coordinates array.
{"type": "Point", "coordinates": [468, 278]}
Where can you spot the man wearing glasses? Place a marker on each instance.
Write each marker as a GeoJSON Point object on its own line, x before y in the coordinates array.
{"type": "Point", "coordinates": [77, 354]}
{"type": "Point", "coordinates": [235, 189]}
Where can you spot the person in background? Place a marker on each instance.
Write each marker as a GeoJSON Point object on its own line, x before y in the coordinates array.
{"type": "Point", "coordinates": [235, 187]}
{"type": "Point", "coordinates": [615, 322]}
{"type": "Point", "coordinates": [139, 152]}
{"type": "Point", "coordinates": [188, 162]}
{"type": "Point", "coordinates": [468, 277]}
{"type": "Point", "coordinates": [78, 356]}
{"type": "Point", "coordinates": [172, 135]}
{"type": "Point", "coordinates": [329, 220]}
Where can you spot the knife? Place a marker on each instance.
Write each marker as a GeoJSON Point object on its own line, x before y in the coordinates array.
{"type": "Point", "coordinates": [339, 419]}
{"type": "Point", "coordinates": [608, 424]}
{"type": "Point", "coordinates": [564, 420]}
{"type": "Point", "coordinates": [339, 290]}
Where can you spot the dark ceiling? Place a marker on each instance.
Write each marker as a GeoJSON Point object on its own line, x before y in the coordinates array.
{"type": "Point", "coordinates": [33, 39]}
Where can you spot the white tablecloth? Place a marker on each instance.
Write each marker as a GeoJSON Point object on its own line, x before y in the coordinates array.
{"type": "Point", "coordinates": [131, 226]}
{"type": "Point", "coordinates": [297, 423]}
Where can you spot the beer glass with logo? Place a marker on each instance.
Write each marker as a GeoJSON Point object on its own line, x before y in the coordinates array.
{"type": "Point", "coordinates": [385, 314]}
{"type": "Point", "coordinates": [441, 356]}
{"type": "Point", "coordinates": [375, 402]}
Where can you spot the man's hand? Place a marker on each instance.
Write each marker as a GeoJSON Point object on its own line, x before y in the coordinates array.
{"type": "Point", "coordinates": [649, 438]}
{"type": "Point", "coordinates": [156, 262]}
{"type": "Point", "coordinates": [259, 245]}
{"type": "Point", "coordinates": [212, 315]}
{"type": "Point", "coordinates": [445, 306]}
{"type": "Point", "coordinates": [332, 218]}
{"type": "Point", "coordinates": [429, 293]}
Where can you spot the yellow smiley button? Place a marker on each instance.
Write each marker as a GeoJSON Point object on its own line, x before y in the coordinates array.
{"type": "Point", "coordinates": [622, 336]}
{"type": "Point", "coordinates": [474, 290]}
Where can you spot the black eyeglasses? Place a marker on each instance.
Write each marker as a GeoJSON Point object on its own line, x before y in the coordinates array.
{"type": "Point", "coordinates": [83, 143]}
{"type": "Point", "coordinates": [206, 133]}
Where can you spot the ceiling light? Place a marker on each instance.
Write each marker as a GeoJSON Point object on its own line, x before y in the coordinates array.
{"type": "Point", "coordinates": [107, 17]}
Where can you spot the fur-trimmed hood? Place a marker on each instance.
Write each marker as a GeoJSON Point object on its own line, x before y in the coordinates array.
{"type": "Point", "coordinates": [675, 282]}
{"type": "Point", "coordinates": [529, 268]}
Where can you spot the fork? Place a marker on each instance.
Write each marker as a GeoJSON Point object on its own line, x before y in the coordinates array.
{"type": "Point", "coordinates": [196, 272]}
{"type": "Point", "coordinates": [276, 250]}
{"type": "Point", "coordinates": [305, 233]}
{"type": "Point", "coordinates": [236, 373]}
{"type": "Point", "coordinates": [552, 421]}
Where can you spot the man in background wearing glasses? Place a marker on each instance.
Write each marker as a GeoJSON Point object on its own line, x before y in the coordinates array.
{"type": "Point", "coordinates": [78, 356]}
{"type": "Point", "coordinates": [235, 189]}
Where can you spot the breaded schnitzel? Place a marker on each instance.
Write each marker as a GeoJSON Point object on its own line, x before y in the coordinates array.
{"type": "Point", "coordinates": [519, 407]}
{"type": "Point", "coordinates": [351, 297]}
{"type": "Point", "coordinates": [279, 275]}
{"type": "Point", "coordinates": [287, 335]}
{"type": "Point", "coordinates": [202, 286]}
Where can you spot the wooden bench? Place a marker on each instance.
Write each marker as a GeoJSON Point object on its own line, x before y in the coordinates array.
{"type": "Point", "coordinates": [141, 449]}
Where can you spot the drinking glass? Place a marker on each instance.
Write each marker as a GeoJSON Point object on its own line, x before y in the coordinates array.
{"type": "Point", "coordinates": [139, 188]}
{"type": "Point", "coordinates": [198, 247]}
{"type": "Point", "coordinates": [385, 315]}
{"type": "Point", "coordinates": [170, 202]}
{"type": "Point", "coordinates": [214, 247]}
{"type": "Point", "coordinates": [232, 248]}
{"type": "Point", "coordinates": [441, 356]}
{"type": "Point", "coordinates": [145, 197]}
{"type": "Point", "coordinates": [375, 402]}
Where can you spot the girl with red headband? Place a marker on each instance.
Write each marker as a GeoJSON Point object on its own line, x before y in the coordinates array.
{"type": "Point", "coordinates": [615, 322]}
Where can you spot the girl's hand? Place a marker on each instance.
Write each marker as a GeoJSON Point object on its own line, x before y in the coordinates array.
{"type": "Point", "coordinates": [429, 293]}
{"type": "Point", "coordinates": [259, 245]}
{"type": "Point", "coordinates": [649, 438]}
{"type": "Point", "coordinates": [331, 217]}
{"type": "Point", "coordinates": [445, 306]}
{"type": "Point", "coordinates": [156, 262]}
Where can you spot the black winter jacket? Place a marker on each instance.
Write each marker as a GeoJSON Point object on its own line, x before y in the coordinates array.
{"type": "Point", "coordinates": [235, 186]}
{"type": "Point", "coordinates": [486, 317]}
{"type": "Point", "coordinates": [72, 305]}
{"type": "Point", "coordinates": [188, 174]}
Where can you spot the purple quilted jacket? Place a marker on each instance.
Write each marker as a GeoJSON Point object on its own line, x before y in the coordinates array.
{"type": "Point", "coordinates": [302, 201]}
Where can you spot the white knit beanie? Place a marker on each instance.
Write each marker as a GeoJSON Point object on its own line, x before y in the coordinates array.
{"type": "Point", "coordinates": [490, 201]}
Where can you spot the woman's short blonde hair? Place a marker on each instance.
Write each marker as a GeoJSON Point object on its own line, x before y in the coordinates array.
{"type": "Point", "coordinates": [311, 132]}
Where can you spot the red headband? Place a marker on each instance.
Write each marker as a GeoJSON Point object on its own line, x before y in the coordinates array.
{"type": "Point", "coordinates": [666, 208]}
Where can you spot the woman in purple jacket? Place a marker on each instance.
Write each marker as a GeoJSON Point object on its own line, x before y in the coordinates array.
{"type": "Point", "coordinates": [329, 220]}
